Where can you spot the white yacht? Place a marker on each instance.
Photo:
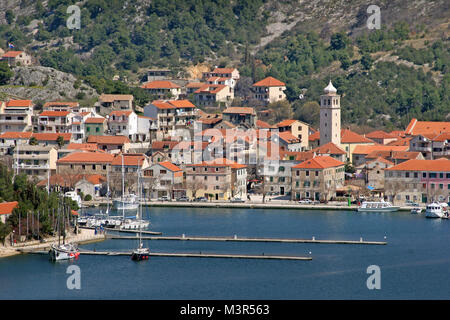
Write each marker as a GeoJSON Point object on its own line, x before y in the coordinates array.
{"type": "Point", "coordinates": [436, 210]}
{"type": "Point", "coordinates": [134, 224]}
{"type": "Point", "coordinates": [127, 202]}
{"type": "Point", "coordinates": [377, 206]}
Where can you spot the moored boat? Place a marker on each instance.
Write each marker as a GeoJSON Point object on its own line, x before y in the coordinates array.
{"type": "Point", "coordinates": [436, 210]}
{"type": "Point", "coordinates": [416, 210]}
{"type": "Point", "coordinates": [377, 206]}
{"type": "Point", "coordinates": [64, 252]}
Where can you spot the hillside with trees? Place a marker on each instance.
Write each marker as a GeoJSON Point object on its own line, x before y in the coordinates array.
{"type": "Point", "coordinates": [385, 76]}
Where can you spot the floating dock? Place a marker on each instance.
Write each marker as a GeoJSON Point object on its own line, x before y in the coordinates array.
{"type": "Point", "coordinates": [187, 255]}
{"type": "Point", "coordinates": [237, 239]}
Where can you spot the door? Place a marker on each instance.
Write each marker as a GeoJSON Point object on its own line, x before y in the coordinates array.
{"type": "Point", "coordinates": [282, 191]}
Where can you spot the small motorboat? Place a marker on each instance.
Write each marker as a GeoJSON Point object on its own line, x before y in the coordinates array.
{"type": "Point", "coordinates": [416, 210]}
{"type": "Point", "coordinates": [377, 206]}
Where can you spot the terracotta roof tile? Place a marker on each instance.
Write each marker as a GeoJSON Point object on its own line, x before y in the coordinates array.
{"type": "Point", "coordinates": [269, 82]}
{"type": "Point", "coordinates": [329, 148]}
{"type": "Point", "coordinates": [54, 113]}
{"type": "Point", "coordinates": [160, 84]}
{"type": "Point", "coordinates": [19, 103]}
{"type": "Point", "coordinates": [129, 159]}
{"type": "Point", "coordinates": [95, 120]}
{"type": "Point", "coordinates": [169, 166]}
{"type": "Point", "coordinates": [52, 136]}
{"type": "Point", "coordinates": [108, 139]}
{"type": "Point", "coordinates": [11, 54]}
{"type": "Point", "coordinates": [8, 207]}
{"type": "Point", "coordinates": [16, 135]}
{"type": "Point", "coordinates": [87, 157]}
{"type": "Point", "coordinates": [369, 149]}
{"type": "Point", "coordinates": [320, 162]}
{"type": "Point", "coordinates": [423, 165]}
{"type": "Point", "coordinates": [416, 127]}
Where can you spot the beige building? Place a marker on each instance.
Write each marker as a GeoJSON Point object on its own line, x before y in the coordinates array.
{"type": "Point", "coordinates": [109, 102]}
{"type": "Point", "coordinates": [269, 90]}
{"type": "Point", "coordinates": [220, 179]}
{"type": "Point", "coordinates": [16, 116]}
{"type": "Point", "coordinates": [164, 179]}
{"type": "Point", "coordinates": [214, 95]}
{"type": "Point", "coordinates": [317, 178]}
{"type": "Point", "coordinates": [298, 129]}
{"type": "Point", "coordinates": [85, 163]}
{"type": "Point", "coordinates": [36, 161]}
{"type": "Point", "coordinates": [330, 116]}
{"type": "Point", "coordinates": [163, 89]}
{"type": "Point", "coordinates": [17, 58]}
{"type": "Point", "coordinates": [419, 181]}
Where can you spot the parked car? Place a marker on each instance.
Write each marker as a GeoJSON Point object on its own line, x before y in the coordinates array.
{"type": "Point", "coordinates": [201, 199]}
{"type": "Point", "coordinates": [306, 201]}
{"type": "Point", "coordinates": [183, 199]}
{"type": "Point", "coordinates": [411, 203]}
{"type": "Point", "coordinates": [237, 200]}
{"type": "Point", "coordinates": [164, 198]}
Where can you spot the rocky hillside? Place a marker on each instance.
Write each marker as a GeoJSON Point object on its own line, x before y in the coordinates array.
{"type": "Point", "coordinates": [46, 84]}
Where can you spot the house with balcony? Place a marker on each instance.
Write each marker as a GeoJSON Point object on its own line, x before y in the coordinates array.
{"type": "Point", "coordinates": [214, 95]}
{"type": "Point", "coordinates": [172, 117]}
{"type": "Point", "coordinates": [432, 146]}
{"type": "Point", "coordinates": [124, 123]}
{"type": "Point", "coordinates": [163, 89]}
{"type": "Point", "coordinates": [66, 106]}
{"type": "Point", "coordinates": [219, 179]}
{"type": "Point", "coordinates": [222, 80]}
{"type": "Point", "coordinates": [164, 179]}
{"type": "Point", "coordinates": [36, 161]}
{"type": "Point", "coordinates": [269, 90]}
{"type": "Point", "coordinates": [16, 116]}
{"type": "Point", "coordinates": [9, 140]}
{"type": "Point", "coordinates": [229, 73]}
{"type": "Point", "coordinates": [317, 178]}
{"type": "Point", "coordinates": [147, 129]}
{"type": "Point", "coordinates": [55, 121]}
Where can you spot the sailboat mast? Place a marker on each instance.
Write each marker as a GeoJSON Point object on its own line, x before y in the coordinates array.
{"type": "Point", "coordinates": [123, 189]}
{"type": "Point", "coordinates": [107, 190]}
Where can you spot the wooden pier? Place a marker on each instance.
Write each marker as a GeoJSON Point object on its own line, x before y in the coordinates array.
{"type": "Point", "coordinates": [186, 255]}
{"type": "Point", "coordinates": [237, 239]}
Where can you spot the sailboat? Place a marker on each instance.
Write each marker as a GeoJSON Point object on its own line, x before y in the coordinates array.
{"type": "Point", "coordinates": [111, 222]}
{"type": "Point", "coordinates": [64, 251]}
{"type": "Point", "coordinates": [140, 253]}
{"type": "Point", "coordinates": [125, 202]}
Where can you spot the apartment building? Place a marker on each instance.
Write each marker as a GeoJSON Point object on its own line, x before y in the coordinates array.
{"type": "Point", "coordinates": [419, 181]}
{"type": "Point", "coordinates": [163, 89]}
{"type": "Point", "coordinates": [317, 178]}
{"type": "Point", "coordinates": [108, 102]}
{"type": "Point", "coordinates": [36, 161]}
{"type": "Point", "coordinates": [244, 117]}
{"type": "Point", "coordinates": [16, 116]}
{"type": "Point", "coordinates": [269, 90]}
{"type": "Point", "coordinates": [164, 179]}
{"type": "Point", "coordinates": [214, 95]}
{"type": "Point", "coordinates": [220, 179]}
{"type": "Point", "coordinates": [297, 128]}
{"type": "Point", "coordinates": [55, 121]}
{"type": "Point", "coordinates": [85, 163]}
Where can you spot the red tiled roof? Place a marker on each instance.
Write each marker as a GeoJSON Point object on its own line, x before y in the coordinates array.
{"type": "Point", "coordinates": [52, 136]}
{"type": "Point", "coordinates": [211, 88]}
{"type": "Point", "coordinates": [160, 84]}
{"type": "Point", "coordinates": [87, 157]}
{"type": "Point", "coordinates": [54, 113]}
{"type": "Point", "coordinates": [169, 166]}
{"type": "Point", "coordinates": [315, 136]}
{"type": "Point", "coordinates": [119, 113]}
{"type": "Point", "coordinates": [19, 103]}
{"type": "Point", "coordinates": [108, 139]}
{"type": "Point", "coordinates": [423, 165]}
{"type": "Point", "coordinates": [329, 148]}
{"type": "Point", "coordinates": [348, 136]}
{"type": "Point", "coordinates": [288, 137]}
{"type": "Point", "coordinates": [12, 54]}
{"type": "Point", "coordinates": [195, 84]}
{"type": "Point", "coordinates": [181, 103]}
{"type": "Point", "coordinates": [442, 137]}
{"type": "Point", "coordinates": [263, 125]}
{"type": "Point", "coordinates": [82, 146]}
{"type": "Point", "coordinates": [368, 149]}
{"type": "Point", "coordinates": [427, 127]}
{"type": "Point", "coordinates": [95, 120]}
{"type": "Point", "coordinates": [285, 123]}
{"type": "Point", "coordinates": [219, 162]}
{"type": "Point", "coordinates": [169, 144]}
{"type": "Point", "coordinates": [240, 110]}
{"type": "Point", "coordinates": [129, 159]}
{"type": "Point", "coordinates": [400, 142]}
{"type": "Point", "coordinates": [321, 162]}
{"type": "Point", "coordinates": [61, 103]}
{"type": "Point", "coordinates": [223, 70]}
{"type": "Point", "coordinates": [8, 207]}
{"type": "Point", "coordinates": [16, 135]}
{"type": "Point", "coordinates": [269, 82]}
{"type": "Point", "coordinates": [380, 134]}
{"type": "Point", "coordinates": [114, 97]}
{"type": "Point", "coordinates": [380, 159]}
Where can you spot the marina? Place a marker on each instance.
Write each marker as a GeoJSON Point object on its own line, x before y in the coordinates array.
{"type": "Point", "coordinates": [415, 245]}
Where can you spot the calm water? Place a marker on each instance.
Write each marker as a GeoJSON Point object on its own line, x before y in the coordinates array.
{"type": "Point", "coordinates": [414, 265]}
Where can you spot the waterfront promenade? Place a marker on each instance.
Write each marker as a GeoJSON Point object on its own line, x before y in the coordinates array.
{"type": "Point", "coordinates": [84, 236]}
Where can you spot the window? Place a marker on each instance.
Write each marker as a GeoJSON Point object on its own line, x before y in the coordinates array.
{"type": "Point", "coordinates": [83, 166]}
{"type": "Point", "coordinates": [441, 186]}
{"type": "Point", "coordinates": [441, 175]}
{"type": "Point", "coordinates": [297, 173]}
{"type": "Point", "coordinates": [424, 175]}
{"type": "Point", "coordinates": [104, 167]}
{"type": "Point", "coordinates": [93, 167]}
{"type": "Point", "coordinates": [416, 175]}
{"type": "Point", "coordinates": [217, 178]}
{"type": "Point", "coordinates": [307, 173]}
{"type": "Point", "coordinates": [317, 173]}
{"type": "Point", "coordinates": [407, 174]}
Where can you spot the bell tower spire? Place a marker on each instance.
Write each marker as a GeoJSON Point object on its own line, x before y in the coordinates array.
{"type": "Point", "coordinates": [330, 116]}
